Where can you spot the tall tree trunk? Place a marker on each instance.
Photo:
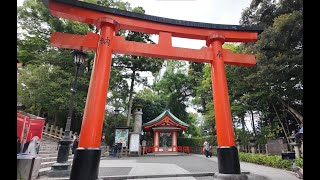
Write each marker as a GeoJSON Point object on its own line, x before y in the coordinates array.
{"type": "Point", "coordinates": [234, 128]}
{"type": "Point", "coordinates": [284, 130]}
{"type": "Point", "coordinates": [243, 124]}
{"type": "Point", "coordinates": [287, 125]}
{"type": "Point", "coordinates": [253, 125]}
{"type": "Point", "coordinates": [39, 112]}
{"type": "Point", "coordinates": [46, 117]}
{"type": "Point", "coordinates": [130, 97]}
{"type": "Point", "coordinates": [203, 104]}
{"type": "Point", "coordinates": [74, 122]}
{"type": "Point", "coordinates": [55, 119]}
{"type": "Point", "coordinates": [293, 112]}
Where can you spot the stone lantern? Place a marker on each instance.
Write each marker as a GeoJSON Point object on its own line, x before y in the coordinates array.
{"type": "Point", "coordinates": [135, 136]}
{"type": "Point", "coordinates": [295, 142]}
{"type": "Point", "coordinates": [253, 144]}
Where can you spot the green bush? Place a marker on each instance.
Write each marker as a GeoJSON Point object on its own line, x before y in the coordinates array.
{"type": "Point", "coordinates": [267, 160]}
{"type": "Point", "coordinates": [195, 143]}
{"type": "Point", "coordinates": [262, 159]}
{"type": "Point", "coordinates": [299, 162]}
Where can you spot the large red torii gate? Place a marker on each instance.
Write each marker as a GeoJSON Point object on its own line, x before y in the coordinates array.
{"type": "Point", "coordinates": [109, 21]}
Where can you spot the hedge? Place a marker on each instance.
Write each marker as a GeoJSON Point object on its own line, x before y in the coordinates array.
{"type": "Point", "coordinates": [196, 141]}
{"type": "Point", "coordinates": [267, 160]}
{"type": "Point", "coordinates": [262, 159]}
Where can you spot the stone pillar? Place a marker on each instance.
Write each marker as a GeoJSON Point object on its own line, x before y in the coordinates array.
{"type": "Point", "coordinates": [174, 141]}
{"type": "Point", "coordinates": [107, 151]}
{"type": "Point", "coordinates": [295, 142]}
{"type": "Point", "coordinates": [60, 134]}
{"type": "Point", "coordinates": [56, 131]}
{"type": "Point", "coordinates": [253, 144]}
{"type": "Point", "coordinates": [46, 128]}
{"type": "Point", "coordinates": [51, 129]}
{"type": "Point", "coordinates": [137, 120]}
{"type": "Point", "coordinates": [297, 151]}
{"type": "Point", "coordinates": [253, 149]}
{"type": "Point", "coordinates": [266, 146]}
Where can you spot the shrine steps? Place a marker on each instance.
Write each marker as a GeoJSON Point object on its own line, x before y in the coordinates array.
{"type": "Point", "coordinates": [48, 153]}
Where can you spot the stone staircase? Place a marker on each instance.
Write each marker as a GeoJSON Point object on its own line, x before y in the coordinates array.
{"type": "Point", "coordinates": [48, 153]}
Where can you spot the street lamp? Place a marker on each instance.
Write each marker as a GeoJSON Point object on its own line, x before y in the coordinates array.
{"type": "Point", "coordinates": [65, 142]}
{"type": "Point", "coordinates": [116, 111]}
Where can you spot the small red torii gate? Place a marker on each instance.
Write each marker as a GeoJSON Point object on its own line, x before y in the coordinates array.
{"type": "Point", "coordinates": [109, 21]}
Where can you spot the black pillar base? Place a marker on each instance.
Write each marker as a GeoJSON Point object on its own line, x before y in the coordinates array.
{"type": "Point", "coordinates": [63, 154]}
{"type": "Point", "coordinates": [85, 164]}
{"type": "Point", "coordinates": [64, 150]}
{"type": "Point", "coordinates": [228, 160]}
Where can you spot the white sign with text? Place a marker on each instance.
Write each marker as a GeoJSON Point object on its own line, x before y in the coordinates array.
{"type": "Point", "coordinates": [134, 142]}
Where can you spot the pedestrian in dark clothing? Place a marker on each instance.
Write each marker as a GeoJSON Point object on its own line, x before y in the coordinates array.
{"type": "Point", "coordinates": [18, 145]}
{"type": "Point", "coordinates": [75, 144]}
{"type": "Point", "coordinates": [210, 151]}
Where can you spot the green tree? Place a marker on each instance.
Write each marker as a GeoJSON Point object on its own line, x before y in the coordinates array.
{"type": "Point", "coordinates": [35, 25]}
{"type": "Point", "coordinates": [275, 84]}
{"type": "Point", "coordinates": [203, 99]}
{"type": "Point", "coordinates": [175, 87]}
{"type": "Point", "coordinates": [130, 67]}
{"type": "Point", "coordinates": [152, 104]}
{"type": "Point", "coordinates": [44, 88]}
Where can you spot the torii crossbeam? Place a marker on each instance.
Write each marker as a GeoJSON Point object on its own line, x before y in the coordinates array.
{"type": "Point", "coordinates": [109, 21]}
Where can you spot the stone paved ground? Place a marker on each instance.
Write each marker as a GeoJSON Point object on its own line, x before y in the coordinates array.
{"type": "Point", "coordinates": [189, 163]}
{"type": "Point", "coordinates": [154, 165]}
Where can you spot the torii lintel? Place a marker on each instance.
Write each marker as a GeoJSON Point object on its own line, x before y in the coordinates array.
{"type": "Point", "coordinates": [161, 50]}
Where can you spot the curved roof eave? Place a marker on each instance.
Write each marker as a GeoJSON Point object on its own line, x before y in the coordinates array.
{"type": "Point", "coordinates": [162, 115]}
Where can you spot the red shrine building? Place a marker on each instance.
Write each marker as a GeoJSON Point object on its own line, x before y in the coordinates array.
{"type": "Point", "coordinates": [165, 128]}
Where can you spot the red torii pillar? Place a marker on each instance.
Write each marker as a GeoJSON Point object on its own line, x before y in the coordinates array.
{"type": "Point", "coordinates": [87, 157]}
{"type": "Point", "coordinates": [224, 128]}
{"type": "Point", "coordinates": [88, 153]}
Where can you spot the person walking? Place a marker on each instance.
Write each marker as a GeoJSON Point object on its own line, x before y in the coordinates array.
{"type": "Point", "coordinates": [206, 146]}
{"type": "Point", "coordinates": [75, 142]}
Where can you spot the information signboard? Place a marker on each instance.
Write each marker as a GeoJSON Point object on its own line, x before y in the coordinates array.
{"type": "Point", "coordinates": [121, 136]}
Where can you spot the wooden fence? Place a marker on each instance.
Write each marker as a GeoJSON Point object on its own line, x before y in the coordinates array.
{"type": "Point", "coordinates": [55, 132]}
{"type": "Point", "coordinates": [260, 148]}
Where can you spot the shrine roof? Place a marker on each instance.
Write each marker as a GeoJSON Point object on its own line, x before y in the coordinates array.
{"type": "Point", "coordinates": [129, 14]}
{"type": "Point", "coordinates": [166, 128]}
{"type": "Point", "coordinates": [163, 115]}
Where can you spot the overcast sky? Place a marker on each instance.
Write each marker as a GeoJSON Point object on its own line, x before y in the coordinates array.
{"type": "Point", "coordinates": [209, 11]}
